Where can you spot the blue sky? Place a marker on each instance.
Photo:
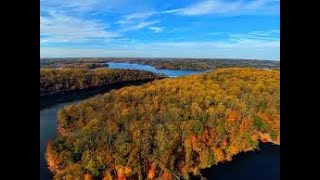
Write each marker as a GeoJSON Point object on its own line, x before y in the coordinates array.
{"type": "Point", "coordinates": [158, 28]}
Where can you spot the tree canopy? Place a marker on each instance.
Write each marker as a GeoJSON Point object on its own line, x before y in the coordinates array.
{"type": "Point", "coordinates": [56, 81]}
{"type": "Point", "coordinates": [167, 128]}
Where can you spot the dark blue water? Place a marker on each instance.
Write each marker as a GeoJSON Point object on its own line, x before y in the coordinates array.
{"type": "Point", "coordinates": [263, 164]}
{"type": "Point", "coordinates": [48, 126]}
{"type": "Point", "coordinates": [167, 72]}
{"type": "Point", "coordinates": [258, 165]}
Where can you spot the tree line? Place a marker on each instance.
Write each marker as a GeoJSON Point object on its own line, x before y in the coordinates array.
{"type": "Point", "coordinates": [85, 65]}
{"type": "Point", "coordinates": [55, 81]}
{"type": "Point", "coordinates": [168, 63]}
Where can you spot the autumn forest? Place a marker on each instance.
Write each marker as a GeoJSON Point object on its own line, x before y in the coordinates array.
{"type": "Point", "coordinates": [169, 128]}
{"type": "Point", "coordinates": [56, 81]}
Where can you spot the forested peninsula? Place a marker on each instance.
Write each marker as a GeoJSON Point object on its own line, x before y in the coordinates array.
{"type": "Point", "coordinates": [167, 129]}
{"type": "Point", "coordinates": [61, 80]}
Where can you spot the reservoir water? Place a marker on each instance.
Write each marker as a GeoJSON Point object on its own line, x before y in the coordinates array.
{"type": "Point", "coordinates": [167, 72]}
{"type": "Point", "coordinates": [48, 126]}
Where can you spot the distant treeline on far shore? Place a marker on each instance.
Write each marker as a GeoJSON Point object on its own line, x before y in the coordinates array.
{"type": "Point", "coordinates": [166, 63]}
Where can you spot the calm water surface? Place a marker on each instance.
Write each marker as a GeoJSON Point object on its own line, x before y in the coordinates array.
{"type": "Point", "coordinates": [263, 164]}
{"type": "Point", "coordinates": [48, 126]}
{"type": "Point", "coordinates": [168, 72]}
{"type": "Point", "coordinates": [259, 165]}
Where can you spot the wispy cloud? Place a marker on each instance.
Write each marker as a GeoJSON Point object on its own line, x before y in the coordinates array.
{"type": "Point", "coordinates": [265, 33]}
{"type": "Point", "coordinates": [58, 25]}
{"type": "Point", "coordinates": [156, 29]}
{"type": "Point", "coordinates": [228, 7]}
{"type": "Point", "coordinates": [101, 28]}
{"type": "Point", "coordinates": [138, 20]}
{"type": "Point", "coordinates": [240, 48]}
{"type": "Point", "coordinates": [140, 25]}
{"type": "Point", "coordinates": [248, 43]}
{"type": "Point", "coordinates": [131, 18]}
{"type": "Point", "coordinates": [76, 7]}
{"type": "Point", "coordinates": [262, 35]}
{"type": "Point", "coordinates": [61, 28]}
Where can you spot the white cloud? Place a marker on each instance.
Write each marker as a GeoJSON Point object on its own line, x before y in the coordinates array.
{"type": "Point", "coordinates": [240, 48]}
{"type": "Point", "coordinates": [131, 18]}
{"type": "Point", "coordinates": [71, 21]}
{"type": "Point", "coordinates": [83, 4]}
{"type": "Point", "coordinates": [67, 22]}
{"type": "Point", "coordinates": [139, 25]}
{"type": "Point", "coordinates": [76, 7]}
{"type": "Point", "coordinates": [143, 24]}
{"type": "Point", "coordinates": [265, 33]}
{"type": "Point", "coordinates": [228, 7]}
{"type": "Point", "coordinates": [247, 43]}
{"type": "Point", "coordinates": [156, 29]}
{"type": "Point", "coordinates": [136, 21]}
{"type": "Point", "coordinates": [61, 28]}
{"type": "Point", "coordinates": [262, 35]}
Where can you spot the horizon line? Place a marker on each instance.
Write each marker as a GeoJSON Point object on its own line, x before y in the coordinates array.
{"type": "Point", "coordinates": [193, 58]}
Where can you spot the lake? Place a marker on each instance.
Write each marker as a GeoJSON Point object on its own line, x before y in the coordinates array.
{"type": "Point", "coordinates": [167, 72]}
{"type": "Point", "coordinates": [48, 126]}
{"type": "Point", "coordinates": [263, 164]}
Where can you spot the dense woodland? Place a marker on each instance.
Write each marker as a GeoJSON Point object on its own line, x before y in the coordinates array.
{"type": "Point", "coordinates": [169, 63]}
{"type": "Point", "coordinates": [169, 128]}
{"type": "Point", "coordinates": [85, 65]}
{"type": "Point", "coordinates": [57, 81]}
